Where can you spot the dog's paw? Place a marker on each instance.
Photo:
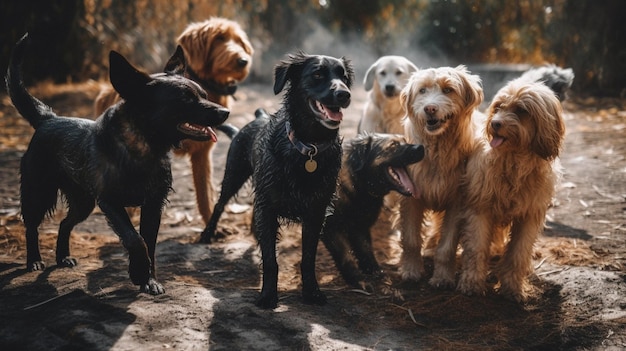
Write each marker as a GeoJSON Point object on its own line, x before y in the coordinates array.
{"type": "Point", "coordinates": [139, 269]}
{"type": "Point", "coordinates": [67, 262]}
{"type": "Point", "coordinates": [36, 266]}
{"type": "Point", "coordinates": [315, 297]}
{"type": "Point", "coordinates": [152, 287]}
{"type": "Point", "coordinates": [442, 282]}
{"type": "Point", "coordinates": [267, 301]}
{"type": "Point", "coordinates": [471, 288]}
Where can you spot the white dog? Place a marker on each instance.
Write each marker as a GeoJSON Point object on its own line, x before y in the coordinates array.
{"type": "Point", "coordinates": [384, 80]}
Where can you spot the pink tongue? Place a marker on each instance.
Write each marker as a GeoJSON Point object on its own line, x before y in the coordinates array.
{"type": "Point", "coordinates": [335, 116]}
{"type": "Point", "coordinates": [213, 135]}
{"type": "Point", "coordinates": [496, 141]}
{"type": "Point", "coordinates": [405, 180]}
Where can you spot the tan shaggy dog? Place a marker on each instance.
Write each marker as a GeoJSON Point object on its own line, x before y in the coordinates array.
{"type": "Point", "coordinates": [510, 184]}
{"type": "Point", "coordinates": [439, 103]}
{"type": "Point", "coordinates": [384, 80]}
{"type": "Point", "coordinates": [219, 55]}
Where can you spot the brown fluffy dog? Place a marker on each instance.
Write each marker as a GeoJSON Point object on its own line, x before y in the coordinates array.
{"type": "Point", "coordinates": [219, 55]}
{"type": "Point", "coordinates": [439, 103]}
{"type": "Point", "coordinates": [384, 81]}
{"type": "Point", "coordinates": [510, 183]}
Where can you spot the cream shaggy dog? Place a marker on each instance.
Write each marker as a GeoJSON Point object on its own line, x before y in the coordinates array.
{"type": "Point", "coordinates": [384, 80]}
{"type": "Point", "coordinates": [509, 184]}
{"type": "Point", "coordinates": [439, 103]}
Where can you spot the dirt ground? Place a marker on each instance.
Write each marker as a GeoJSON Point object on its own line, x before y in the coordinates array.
{"type": "Point", "coordinates": [579, 304]}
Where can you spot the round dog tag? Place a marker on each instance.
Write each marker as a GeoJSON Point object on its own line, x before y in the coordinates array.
{"type": "Point", "coordinates": [310, 165]}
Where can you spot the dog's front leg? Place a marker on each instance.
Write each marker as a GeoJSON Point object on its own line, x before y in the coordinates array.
{"type": "Point", "coordinates": [266, 228]}
{"type": "Point", "coordinates": [139, 266]}
{"type": "Point", "coordinates": [445, 256]}
{"type": "Point", "coordinates": [149, 229]}
{"type": "Point", "coordinates": [311, 230]}
{"type": "Point", "coordinates": [411, 222]}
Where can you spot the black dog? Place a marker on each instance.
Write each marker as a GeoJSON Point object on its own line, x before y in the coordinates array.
{"type": "Point", "coordinates": [119, 160]}
{"type": "Point", "coordinates": [373, 165]}
{"type": "Point", "coordinates": [294, 158]}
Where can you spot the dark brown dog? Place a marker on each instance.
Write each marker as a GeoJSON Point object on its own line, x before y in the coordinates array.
{"type": "Point", "coordinates": [121, 159]}
{"type": "Point", "coordinates": [294, 159]}
{"type": "Point", "coordinates": [219, 56]}
{"type": "Point", "coordinates": [373, 165]}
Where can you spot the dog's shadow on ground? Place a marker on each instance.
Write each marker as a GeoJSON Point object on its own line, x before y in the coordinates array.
{"type": "Point", "coordinates": [556, 229]}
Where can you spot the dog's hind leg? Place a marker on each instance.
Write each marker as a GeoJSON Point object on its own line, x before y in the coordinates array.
{"type": "Point", "coordinates": [80, 205]}
{"type": "Point", "coordinates": [311, 229]}
{"type": "Point", "coordinates": [38, 197]}
{"type": "Point", "coordinates": [238, 169]}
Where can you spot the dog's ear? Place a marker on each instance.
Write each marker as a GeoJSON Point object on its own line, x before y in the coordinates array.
{"type": "Point", "coordinates": [176, 64]}
{"type": "Point", "coordinates": [347, 64]}
{"type": "Point", "coordinates": [360, 150]}
{"type": "Point", "coordinates": [368, 80]}
{"type": "Point", "coordinates": [126, 79]}
{"type": "Point", "coordinates": [473, 87]}
{"type": "Point", "coordinates": [286, 70]}
{"type": "Point", "coordinates": [550, 129]}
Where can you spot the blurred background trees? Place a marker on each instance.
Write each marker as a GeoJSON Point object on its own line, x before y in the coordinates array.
{"type": "Point", "coordinates": [72, 38]}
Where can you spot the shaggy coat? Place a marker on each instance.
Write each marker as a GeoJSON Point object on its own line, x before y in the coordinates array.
{"type": "Point", "coordinates": [439, 104]}
{"type": "Point", "coordinates": [509, 184]}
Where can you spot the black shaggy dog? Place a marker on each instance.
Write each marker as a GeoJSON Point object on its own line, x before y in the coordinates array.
{"type": "Point", "coordinates": [373, 165]}
{"type": "Point", "coordinates": [121, 159]}
{"type": "Point", "coordinates": [294, 158]}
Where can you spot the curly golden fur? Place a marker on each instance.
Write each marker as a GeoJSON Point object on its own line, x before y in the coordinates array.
{"type": "Point", "coordinates": [219, 55]}
{"type": "Point", "coordinates": [439, 104]}
{"type": "Point", "coordinates": [509, 184]}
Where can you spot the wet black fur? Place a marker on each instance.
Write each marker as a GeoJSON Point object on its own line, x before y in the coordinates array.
{"type": "Point", "coordinates": [284, 190]}
{"type": "Point", "coordinates": [363, 183]}
{"type": "Point", "coordinates": [120, 159]}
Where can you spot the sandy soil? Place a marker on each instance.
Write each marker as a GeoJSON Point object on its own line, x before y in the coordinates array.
{"type": "Point", "coordinates": [580, 281]}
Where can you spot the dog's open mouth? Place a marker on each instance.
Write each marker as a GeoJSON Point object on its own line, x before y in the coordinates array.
{"type": "Point", "coordinates": [197, 132]}
{"type": "Point", "coordinates": [496, 141]}
{"type": "Point", "coordinates": [400, 178]}
{"type": "Point", "coordinates": [330, 116]}
{"type": "Point", "coordinates": [433, 123]}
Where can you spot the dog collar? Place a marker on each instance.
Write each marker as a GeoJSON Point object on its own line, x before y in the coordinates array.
{"type": "Point", "coordinates": [310, 150]}
{"type": "Point", "coordinates": [211, 85]}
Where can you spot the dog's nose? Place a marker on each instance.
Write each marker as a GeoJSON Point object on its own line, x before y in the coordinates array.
{"type": "Point", "coordinates": [223, 114]}
{"type": "Point", "coordinates": [242, 62]}
{"type": "Point", "coordinates": [431, 109]}
{"type": "Point", "coordinates": [496, 125]}
{"type": "Point", "coordinates": [342, 96]}
{"type": "Point", "coordinates": [390, 88]}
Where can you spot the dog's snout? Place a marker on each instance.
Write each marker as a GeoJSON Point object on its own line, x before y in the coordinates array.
{"type": "Point", "coordinates": [390, 88]}
{"type": "Point", "coordinates": [242, 62]}
{"type": "Point", "coordinates": [342, 96]}
{"type": "Point", "coordinates": [431, 109]}
{"type": "Point", "coordinates": [496, 125]}
{"type": "Point", "coordinates": [223, 113]}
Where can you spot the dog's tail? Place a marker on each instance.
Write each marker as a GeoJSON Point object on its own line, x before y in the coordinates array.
{"type": "Point", "coordinates": [261, 113]}
{"type": "Point", "coordinates": [27, 105]}
{"type": "Point", "coordinates": [558, 79]}
{"type": "Point", "coordinates": [228, 129]}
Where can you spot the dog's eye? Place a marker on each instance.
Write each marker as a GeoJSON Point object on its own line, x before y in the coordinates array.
{"type": "Point", "coordinates": [422, 91]}
{"type": "Point", "coordinates": [318, 75]}
{"type": "Point", "coordinates": [383, 73]}
{"type": "Point", "coordinates": [447, 90]}
{"type": "Point", "coordinates": [520, 110]}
